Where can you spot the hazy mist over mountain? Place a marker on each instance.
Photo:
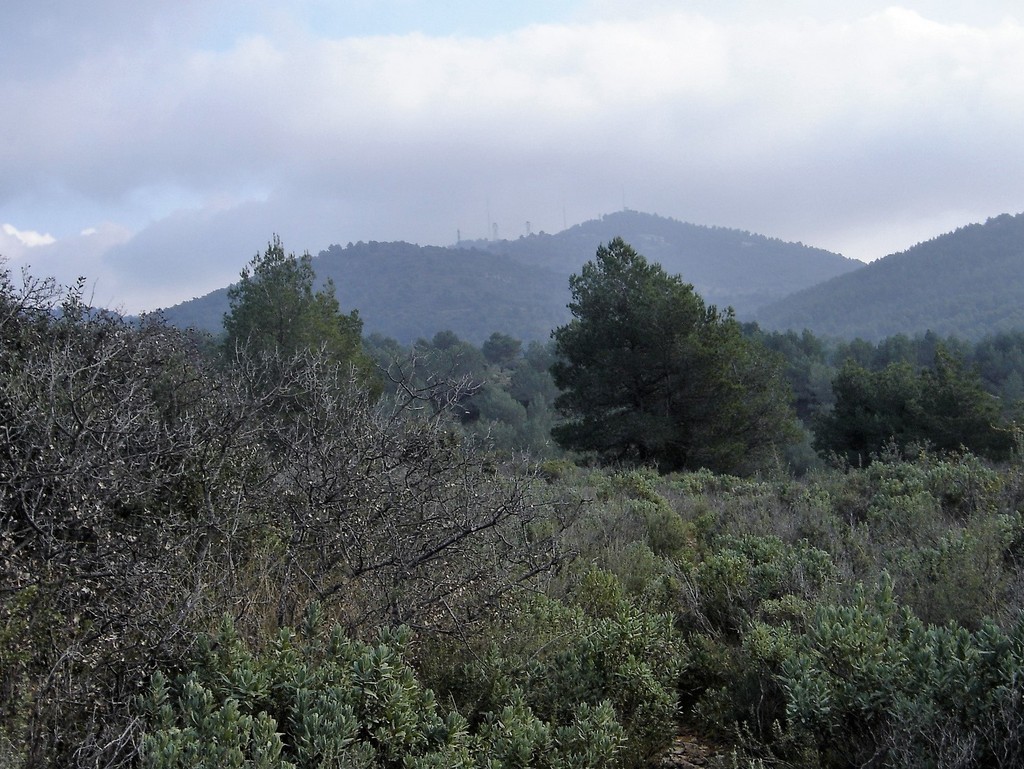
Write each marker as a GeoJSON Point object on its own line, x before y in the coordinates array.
{"type": "Point", "coordinates": [521, 287]}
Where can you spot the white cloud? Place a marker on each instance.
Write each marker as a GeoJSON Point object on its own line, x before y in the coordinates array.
{"type": "Point", "coordinates": [28, 238]}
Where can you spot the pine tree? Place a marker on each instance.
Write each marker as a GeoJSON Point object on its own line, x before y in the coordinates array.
{"type": "Point", "coordinates": [651, 374]}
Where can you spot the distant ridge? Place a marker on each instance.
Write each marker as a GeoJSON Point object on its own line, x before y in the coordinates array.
{"type": "Point", "coordinates": [727, 267]}
{"type": "Point", "coordinates": [968, 283]}
{"type": "Point", "coordinates": [521, 287]}
{"type": "Point", "coordinates": [406, 291]}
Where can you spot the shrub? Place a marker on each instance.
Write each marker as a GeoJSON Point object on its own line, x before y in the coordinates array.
{"type": "Point", "coordinates": [603, 652]}
{"type": "Point", "coordinates": [872, 682]}
{"type": "Point", "coordinates": [733, 581]}
{"type": "Point", "coordinates": [312, 699]}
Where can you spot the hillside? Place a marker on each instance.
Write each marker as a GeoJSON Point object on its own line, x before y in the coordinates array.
{"type": "Point", "coordinates": [407, 291]}
{"type": "Point", "coordinates": [967, 283]}
{"type": "Point", "coordinates": [521, 287]}
{"type": "Point", "coordinates": [728, 267]}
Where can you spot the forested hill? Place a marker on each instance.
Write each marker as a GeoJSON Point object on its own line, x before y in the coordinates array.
{"type": "Point", "coordinates": [728, 267]}
{"type": "Point", "coordinates": [968, 283]}
{"type": "Point", "coordinates": [406, 291]}
{"type": "Point", "coordinates": [521, 287]}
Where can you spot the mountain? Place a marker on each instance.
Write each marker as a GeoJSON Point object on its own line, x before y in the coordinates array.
{"type": "Point", "coordinates": [968, 283]}
{"type": "Point", "coordinates": [521, 287]}
{"type": "Point", "coordinates": [407, 291]}
{"type": "Point", "coordinates": [727, 267]}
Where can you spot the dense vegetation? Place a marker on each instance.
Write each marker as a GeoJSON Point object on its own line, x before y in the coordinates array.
{"type": "Point", "coordinates": [967, 283]}
{"type": "Point", "coordinates": [258, 554]}
{"type": "Point", "coordinates": [943, 407]}
{"type": "Point", "coordinates": [404, 290]}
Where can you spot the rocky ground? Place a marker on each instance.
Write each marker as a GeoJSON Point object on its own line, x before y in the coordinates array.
{"type": "Point", "coordinates": [690, 752]}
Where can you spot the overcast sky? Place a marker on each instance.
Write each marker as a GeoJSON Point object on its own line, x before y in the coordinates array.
{"type": "Point", "coordinates": [154, 147]}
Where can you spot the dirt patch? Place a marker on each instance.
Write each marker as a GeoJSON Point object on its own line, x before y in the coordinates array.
{"type": "Point", "coordinates": [688, 751]}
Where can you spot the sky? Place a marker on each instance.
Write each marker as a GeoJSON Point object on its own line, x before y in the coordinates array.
{"type": "Point", "coordinates": [154, 148]}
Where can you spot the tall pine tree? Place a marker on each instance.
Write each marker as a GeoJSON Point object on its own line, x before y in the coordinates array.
{"type": "Point", "coordinates": [650, 374]}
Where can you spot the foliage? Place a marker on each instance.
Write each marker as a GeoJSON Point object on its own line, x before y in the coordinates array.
{"type": "Point", "coordinates": [113, 469]}
{"type": "Point", "coordinates": [501, 349]}
{"type": "Point", "coordinates": [766, 565]}
{"type": "Point", "coordinates": [853, 615]}
{"type": "Point", "coordinates": [503, 404]}
{"type": "Point", "coordinates": [385, 512]}
{"type": "Point", "coordinates": [649, 374]}
{"type": "Point", "coordinates": [732, 585]}
{"type": "Point", "coordinates": [812, 363]}
{"type": "Point", "coordinates": [312, 700]}
{"type": "Point", "coordinates": [144, 488]}
{"type": "Point", "coordinates": [809, 367]}
{"type": "Point", "coordinates": [596, 650]}
{"type": "Point", "coordinates": [943, 407]}
{"type": "Point", "coordinates": [873, 684]}
{"type": "Point", "coordinates": [275, 312]}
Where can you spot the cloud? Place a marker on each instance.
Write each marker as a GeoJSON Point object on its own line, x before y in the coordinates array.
{"type": "Point", "coordinates": [852, 126]}
{"type": "Point", "coordinates": [28, 237]}
{"type": "Point", "coordinates": [66, 259]}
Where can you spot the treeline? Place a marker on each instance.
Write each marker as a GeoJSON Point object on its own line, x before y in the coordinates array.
{"type": "Point", "coordinates": [812, 361]}
{"type": "Point", "coordinates": [965, 394]}
{"type": "Point", "coordinates": [505, 397]}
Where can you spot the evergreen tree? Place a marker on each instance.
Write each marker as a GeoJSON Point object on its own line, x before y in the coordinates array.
{"type": "Point", "coordinates": [276, 313]}
{"type": "Point", "coordinates": [650, 374]}
{"type": "Point", "coordinates": [943, 407]}
{"type": "Point", "coordinates": [501, 349]}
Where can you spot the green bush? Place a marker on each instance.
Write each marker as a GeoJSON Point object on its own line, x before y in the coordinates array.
{"type": "Point", "coordinates": [310, 700]}
{"type": "Point", "coordinates": [870, 682]}
{"type": "Point", "coordinates": [964, 485]}
{"type": "Point", "coordinates": [603, 653]}
{"type": "Point", "coordinates": [734, 580]}
{"type": "Point", "coordinates": [959, 579]}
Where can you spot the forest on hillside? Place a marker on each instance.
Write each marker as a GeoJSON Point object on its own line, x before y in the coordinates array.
{"type": "Point", "coordinates": [293, 546]}
{"type": "Point", "coordinates": [966, 283]}
{"type": "Point", "coordinates": [520, 287]}
{"type": "Point", "coordinates": [728, 266]}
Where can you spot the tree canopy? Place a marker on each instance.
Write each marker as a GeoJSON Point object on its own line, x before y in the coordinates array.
{"type": "Point", "coordinates": [942, 407]}
{"type": "Point", "coordinates": [275, 309]}
{"type": "Point", "coordinates": [651, 374]}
